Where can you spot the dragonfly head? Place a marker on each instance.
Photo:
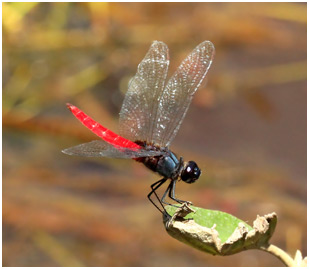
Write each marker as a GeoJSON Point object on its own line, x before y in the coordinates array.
{"type": "Point", "coordinates": [191, 172]}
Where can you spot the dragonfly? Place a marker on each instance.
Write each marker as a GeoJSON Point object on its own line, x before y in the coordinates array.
{"type": "Point", "coordinates": [150, 117]}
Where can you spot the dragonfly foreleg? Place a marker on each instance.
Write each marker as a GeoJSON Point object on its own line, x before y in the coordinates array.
{"type": "Point", "coordinates": [172, 193]}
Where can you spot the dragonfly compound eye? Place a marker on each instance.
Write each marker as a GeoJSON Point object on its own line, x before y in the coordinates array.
{"type": "Point", "coordinates": [191, 172]}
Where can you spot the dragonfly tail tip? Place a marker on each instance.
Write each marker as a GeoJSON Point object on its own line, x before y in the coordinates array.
{"type": "Point", "coordinates": [69, 106]}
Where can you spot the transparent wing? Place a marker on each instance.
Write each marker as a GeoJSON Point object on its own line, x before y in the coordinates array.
{"type": "Point", "coordinates": [100, 148]}
{"type": "Point", "coordinates": [140, 106]}
{"type": "Point", "coordinates": [178, 93]}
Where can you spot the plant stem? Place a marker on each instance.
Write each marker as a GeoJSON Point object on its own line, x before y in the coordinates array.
{"type": "Point", "coordinates": [279, 253]}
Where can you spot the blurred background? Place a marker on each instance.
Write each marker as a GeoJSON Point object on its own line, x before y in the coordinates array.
{"type": "Point", "coordinates": [246, 128]}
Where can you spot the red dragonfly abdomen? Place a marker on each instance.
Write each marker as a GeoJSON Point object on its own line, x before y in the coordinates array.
{"type": "Point", "coordinates": [104, 133]}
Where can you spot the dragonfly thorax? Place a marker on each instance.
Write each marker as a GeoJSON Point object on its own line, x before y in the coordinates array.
{"type": "Point", "coordinates": [169, 166]}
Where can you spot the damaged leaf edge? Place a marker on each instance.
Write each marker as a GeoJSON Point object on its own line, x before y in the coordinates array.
{"type": "Point", "coordinates": [207, 239]}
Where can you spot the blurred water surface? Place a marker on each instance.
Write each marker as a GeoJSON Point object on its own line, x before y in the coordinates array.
{"type": "Point", "coordinates": [246, 128]}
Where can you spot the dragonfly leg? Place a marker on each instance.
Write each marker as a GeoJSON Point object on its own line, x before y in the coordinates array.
{"type": "Point", "coordinates": [154, 187]}
{"type": "Point", "coordinates": [165, 193]}
{"type": "Point", "coordinates": [171, 190]}
{"type": "Point", "coordinates": [171, 194]}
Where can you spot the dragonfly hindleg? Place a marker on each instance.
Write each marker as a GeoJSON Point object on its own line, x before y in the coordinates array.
{"type": "Point", "coordinates": [154, 187]}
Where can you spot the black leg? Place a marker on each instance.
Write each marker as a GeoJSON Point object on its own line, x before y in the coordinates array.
{"type": "Point", "coordinates": [171, 194]}
{"type": "Point", "coordinates": [171, 190]}
{"type": "Point", "coordinates": [165, 193]}
{"type": "Point", "coordinates": [154, 187]}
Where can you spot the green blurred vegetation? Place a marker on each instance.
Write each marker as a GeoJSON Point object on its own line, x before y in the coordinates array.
{"type": "Point", "coordinates": [246, 128]}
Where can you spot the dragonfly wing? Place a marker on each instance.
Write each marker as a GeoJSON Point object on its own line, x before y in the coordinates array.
{"type": "Point", "coordinates": [178, 93]}
{"type": "Point", "coordinates": [140, 105]}
{"type": "Point", "coordinates": [100, 148]}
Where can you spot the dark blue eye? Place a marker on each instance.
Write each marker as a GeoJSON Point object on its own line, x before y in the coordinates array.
{"type": "Point", "coordinates": [190, 173]}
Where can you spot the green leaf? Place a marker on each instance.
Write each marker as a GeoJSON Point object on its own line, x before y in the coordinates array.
{"type": "Point", "coordinates": [225, 223]}
{"type": "Point", "coordinates": [217, 232]}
